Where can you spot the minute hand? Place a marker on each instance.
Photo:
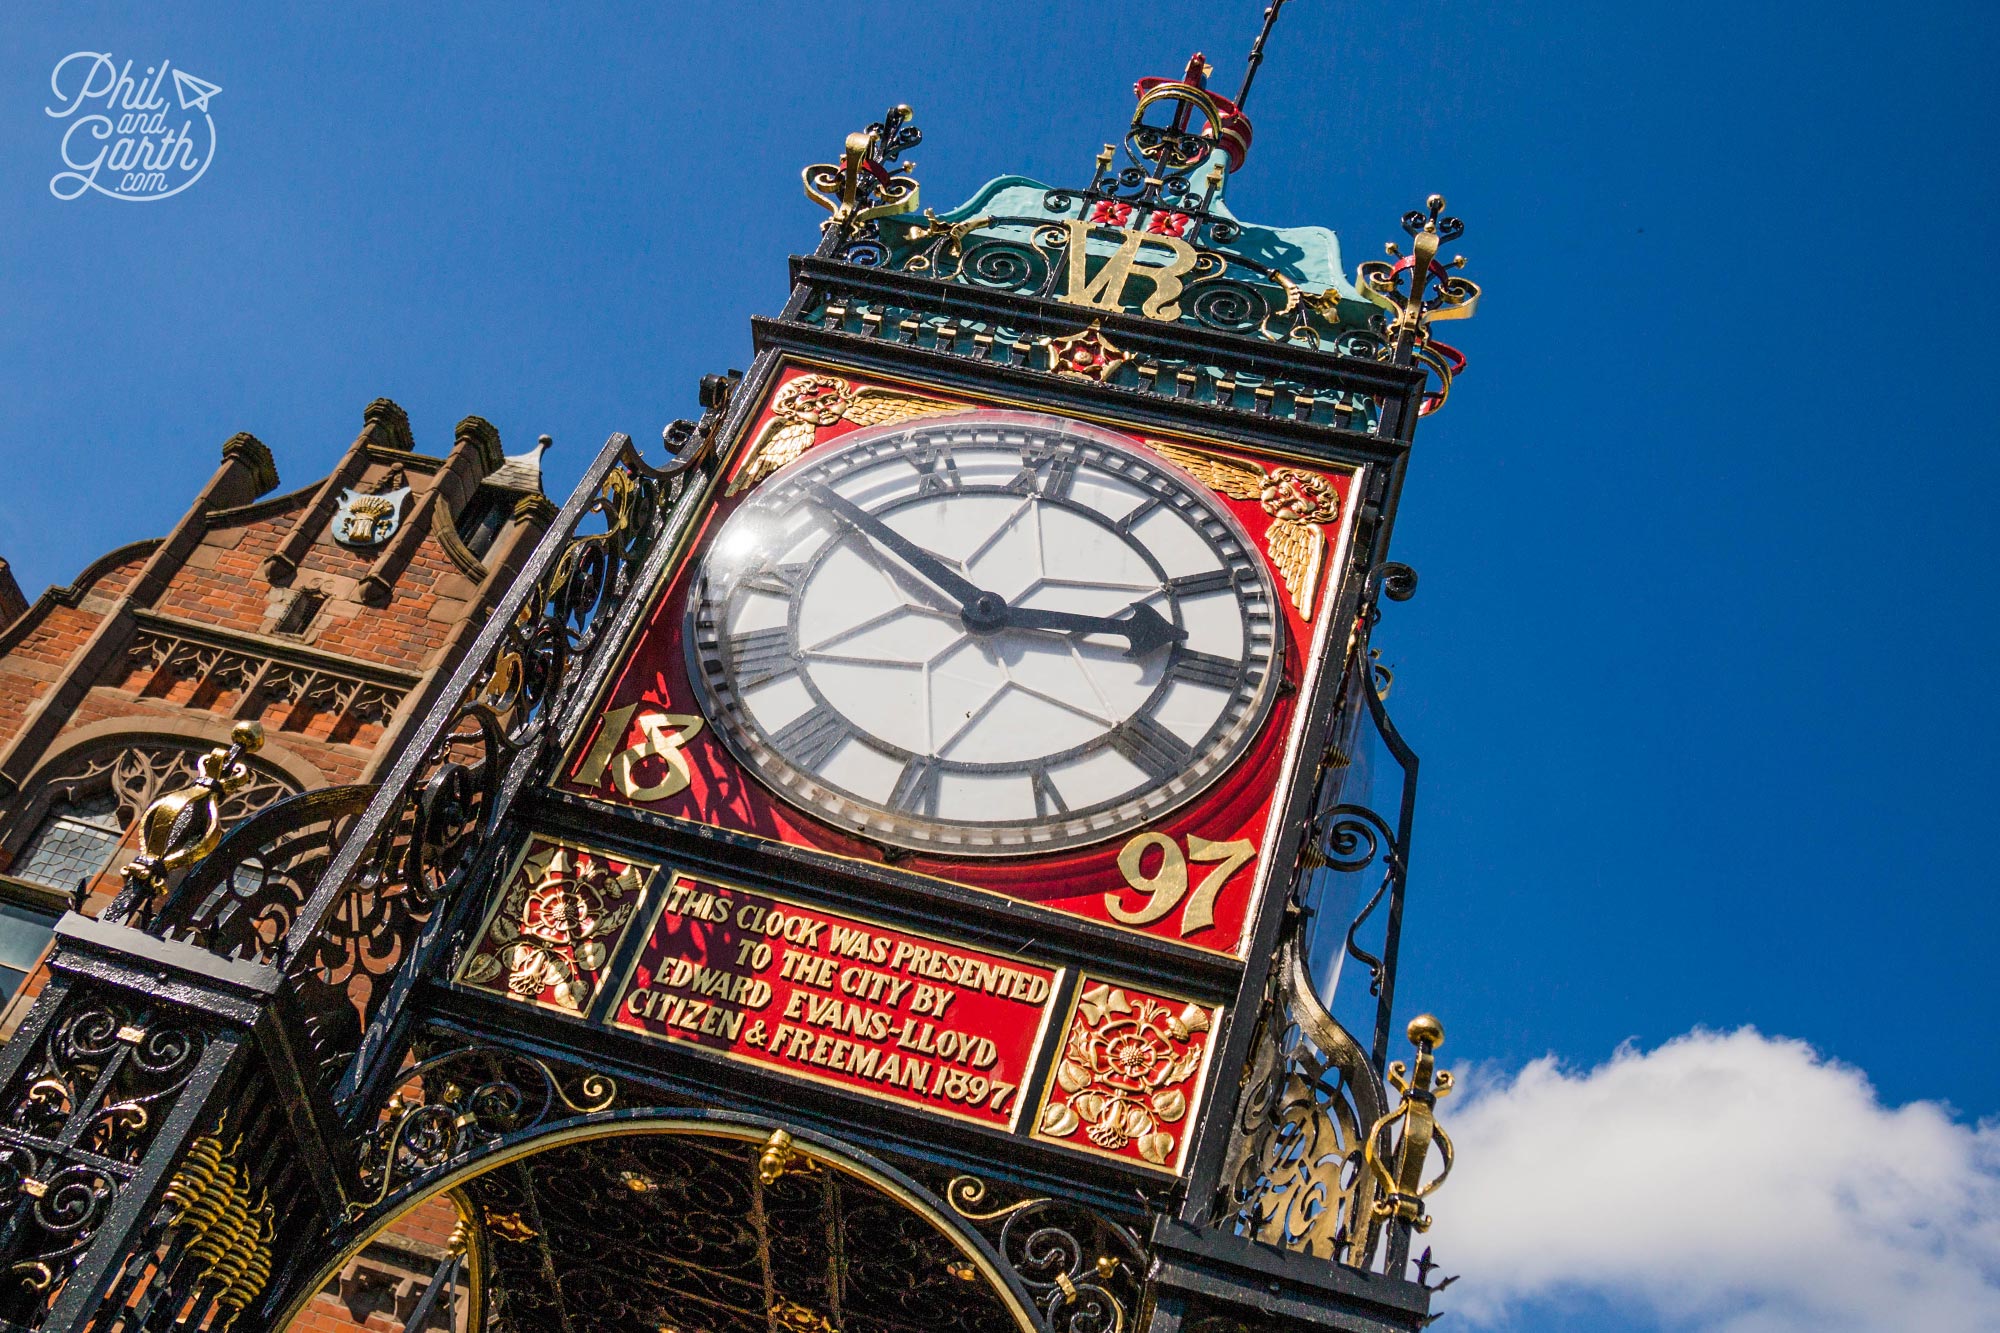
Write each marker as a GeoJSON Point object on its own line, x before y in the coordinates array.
{"type": "Point", "coordinates": [931, 568]}
{"type": "Point", "coordinates": [1138, 624]}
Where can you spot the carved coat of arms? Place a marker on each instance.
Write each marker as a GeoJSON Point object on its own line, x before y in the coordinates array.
{"type": "Point", "coordinates": [368, 520]}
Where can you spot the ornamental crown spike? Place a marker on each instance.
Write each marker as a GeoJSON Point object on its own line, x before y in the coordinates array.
{"type": "Point", "coordinates": [1170, 142]}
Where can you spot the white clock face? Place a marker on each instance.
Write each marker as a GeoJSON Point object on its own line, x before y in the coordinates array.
{"type": "Point", "coordinates": [990, 633]}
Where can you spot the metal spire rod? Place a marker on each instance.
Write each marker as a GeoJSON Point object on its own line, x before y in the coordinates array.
{"type": "Point", "coordinates": [1257, 50]}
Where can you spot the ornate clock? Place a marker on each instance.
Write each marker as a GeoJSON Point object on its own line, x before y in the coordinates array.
{"type": "Point", "coordinates": [1026, 654]}
{"type": "Point", "coordinates": [987, 633]}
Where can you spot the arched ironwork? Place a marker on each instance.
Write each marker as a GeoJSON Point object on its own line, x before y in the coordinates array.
{"type": "Point", "coordinates": [748, 1179]}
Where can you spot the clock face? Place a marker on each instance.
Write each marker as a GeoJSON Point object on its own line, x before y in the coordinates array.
{"type": "Point", "coordinates": [990, 633]}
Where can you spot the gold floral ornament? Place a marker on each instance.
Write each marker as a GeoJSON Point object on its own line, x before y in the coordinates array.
{"type": "Point", "coordinates": [1120, 1079]}
{"type": "Point", "coordinates": [1298, 502]}
{"type": "Point", "coordinates": [553, 932]}
{"type": "Point", "coordinates": [807, 403]}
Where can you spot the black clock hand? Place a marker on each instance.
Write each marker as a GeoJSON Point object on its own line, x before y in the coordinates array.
{"type": "Point", "coordinates": [931, 568]}
{"type": "Point", "coordinates": [1138, 624]}
{"type": "Point", "coordinates": [1143, 628]}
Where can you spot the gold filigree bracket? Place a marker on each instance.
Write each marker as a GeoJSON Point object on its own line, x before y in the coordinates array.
{"type": "Point", "coordinates": [1401, 1176]}
{"type": "Point", "coordinates": [862, 186]}
{"type": "Point", "coordinates": [1418, 290]}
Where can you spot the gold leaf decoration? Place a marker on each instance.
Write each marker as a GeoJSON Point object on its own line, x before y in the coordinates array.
{"type": "Point", "coordinates": [1298, 502]}
{"type": "Point", "coordinates": [1126, 1072]}
{"type": "Point", "coordinates": [807, 403]}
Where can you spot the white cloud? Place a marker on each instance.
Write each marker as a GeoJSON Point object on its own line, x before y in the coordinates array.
{"type": "Point", "coordinates": [1725, 1182]}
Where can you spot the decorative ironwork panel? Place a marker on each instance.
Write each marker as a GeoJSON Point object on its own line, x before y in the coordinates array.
{"type": "Point", "coordinates": [1300, 1180]}
{"type": "Point", "coordinates": [1083, 1269]}
{"type": "Point", "coordinates": [76, 1120]}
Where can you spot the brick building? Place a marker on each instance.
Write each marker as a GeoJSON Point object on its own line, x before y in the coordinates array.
{"type": "Point", "coordinates": [330, 615]}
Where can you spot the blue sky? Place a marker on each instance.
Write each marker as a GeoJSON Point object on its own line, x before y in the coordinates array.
{"type": "Point", "coordinates": [1699, 668]}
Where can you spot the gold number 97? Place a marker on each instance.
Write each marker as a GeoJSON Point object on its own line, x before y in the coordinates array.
{"type": "Point", "coordinates": [1166, 886]}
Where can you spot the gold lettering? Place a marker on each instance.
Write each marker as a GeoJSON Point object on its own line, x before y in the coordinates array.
{"type": "Point", "coordinates": [662, 736]}
{"type": "Point", "coordinates": [1165, 887]}
{"type": "Point", "coordinates": [1106, 291]}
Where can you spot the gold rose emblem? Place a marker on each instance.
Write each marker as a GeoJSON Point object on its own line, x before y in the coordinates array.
{"type": "Point", "coordinates": [1121, 1069]}
{"type": "Point", "coordinates": [548, 937]}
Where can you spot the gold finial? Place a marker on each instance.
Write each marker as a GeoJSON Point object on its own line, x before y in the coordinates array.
{"type": "Point", "coordinates": [865, 184]}
{"type": "Point", "coordinates": [1420, 289]}
{"type": "Point", "coordinates": [182, 827]}
{"type": "Point", "coordinates": [1401, 1176]}
{"type": "Point", "coordinates": [781, 1157]}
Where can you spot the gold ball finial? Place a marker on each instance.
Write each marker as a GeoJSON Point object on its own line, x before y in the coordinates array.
{"type": "Point", "coordinates": [1435, 203]}
{"type": "Point", "coordinates": [249, 735]}
{"type": "Point", "coordinates": [1426, 1031]}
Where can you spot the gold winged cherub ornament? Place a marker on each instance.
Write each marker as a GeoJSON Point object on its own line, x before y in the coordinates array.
{"type": "Point", "coordinates": [1299, 503]}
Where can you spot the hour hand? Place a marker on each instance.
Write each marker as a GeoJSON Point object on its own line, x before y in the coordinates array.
{"type": "Point", "coordinates": [927, 566]}
{"type": "Point", "coordinates": [1143, 628]}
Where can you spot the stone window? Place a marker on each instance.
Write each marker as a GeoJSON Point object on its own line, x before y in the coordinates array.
{"type": "Point", "coordinates": [24, 933]}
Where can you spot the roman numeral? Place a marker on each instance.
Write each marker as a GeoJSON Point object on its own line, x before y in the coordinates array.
{"type": "Point", "coordinates": [1193, 585]}
{"type": "Point", "coordinates": [761, 655]}
{"type": "Point", "coordinates": [779, 581]}
{"type": "Point", "coordinates": [1048, 801]}
{"type": "Point", "coordinates": [1058, 482]}
{"type": "Point", "coordinates": [1151, 746]}
{"type": "Point", "coordinates": [810, 739]}
{"type": "Point", "coordinates": [937, 471]}
{"type": "Point", "coordinates": [1204, 668]}
{"type": "Point", "coordinates": [1061, 479]}
{"type": "Point", "coordinates": [917, 789]}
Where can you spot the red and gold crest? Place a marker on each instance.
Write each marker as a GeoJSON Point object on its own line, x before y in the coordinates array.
{"type": "Point", "coordinates": [1129, 1072]}
{"type": "Point", "coordinates": [559, 920]}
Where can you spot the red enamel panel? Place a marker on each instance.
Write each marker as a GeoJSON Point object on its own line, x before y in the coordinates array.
{"type": "Point", "coordinates": [839, 1000]}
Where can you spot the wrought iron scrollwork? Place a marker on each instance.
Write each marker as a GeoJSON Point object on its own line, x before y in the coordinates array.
{"type": "Point", "coordinates": [78, 1118]}
{"type": "Point", "coordinates": [1301, 1179]}
{"type": "Point", "coordinates": [244, 898]}
{"type": "Point", "coordinates": [453, 1102]}
{"type": "Point", "coordinates": [425, 832]}
{"type": "Point", "coordinates": [1348, 839]}
{"type": "Point", "coordinates": [1083, 1270]}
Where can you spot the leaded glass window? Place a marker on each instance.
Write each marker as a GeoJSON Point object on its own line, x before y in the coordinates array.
{"type": "Point", "coordinates": [75, 842]}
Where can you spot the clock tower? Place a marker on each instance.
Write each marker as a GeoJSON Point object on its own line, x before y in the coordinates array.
{"type": "Point", "coordinates": [929, 854]}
